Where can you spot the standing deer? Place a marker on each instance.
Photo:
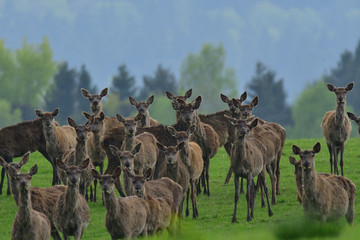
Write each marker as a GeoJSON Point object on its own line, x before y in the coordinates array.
{"type": "Point", "coordinates": [336, 127]}
{"type": "Point", "coordinates": [355, 119]}
{"type": "Point", "coordinates": [142, 108]}
{"type": "Point", "coordinates": [95, 100]}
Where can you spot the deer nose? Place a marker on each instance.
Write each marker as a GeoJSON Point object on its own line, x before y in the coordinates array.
{"type": "Point", "coordinates": [23, 183]}
{"type": "Point", "coordinates": [95, 102]}
{"type": "Point", "coordinates": [127, 164]}
{"type": "Point", "coordinates": [137, 187]}
{"type": "Point", "coordinates": [169, 160]}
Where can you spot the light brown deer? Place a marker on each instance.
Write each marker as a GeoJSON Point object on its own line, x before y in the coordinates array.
{"type": "Point", "coordinates": [125, 217]}
{"type": "Point", "coordinates": [95, 100]}
{"type": "Point", "coordinates": [59, 139]}
{"type": "Point", "coordinates": [191, 156]}
{"type": "Point", "coordinates": [247, 161]}
{"type": "Point", "coordinates": [28, 223]}
{"type": "Point", "coordinates": [336, 127]}
{"type": "Point", "coordinates": [324, 198]}
{"type": "Point", "coordinates": [148, 154]}
{"type": "Point", "coordinates": [143, 109]}
{"type": "Point", "coordinates": [71, 211]}
{"type": "Point", "coordinates": [42, 199]}
{"type": "Point", "coordinates": [162, 209]}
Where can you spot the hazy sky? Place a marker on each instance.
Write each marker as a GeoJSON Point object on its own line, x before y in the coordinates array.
{"type": "Point", "coordinates": [300, 40]}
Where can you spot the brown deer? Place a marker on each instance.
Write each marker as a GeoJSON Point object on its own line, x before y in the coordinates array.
{"type": "Point", "coordinates": [125, 217]}
{"type": "Point", "coordinates": [126, 159]}
{"type": "Point", "coordinates": [324, 198]}
{"type": "Point", "coordinates": [191, 156]}
{"type": "Point", "coordinates": [71, 211]}
{"type": "Point", "coordinates": [77, 155]}
{"type": "Point", "coordinates": [142, 108]}
{"type": "Point", "coordinates": [28, 223]}
{"type": "Point", "coordinates": [204, 135]}
{"type": "Point", "coordinates": [59, 139]}
{"type": "Point", "coordinates": [355, 119]}
{"type": "Point", "coordinates": [247, 161]}
{"type": "Point", "coordinates": [162, 209]}
{"type": "Point", "coordinates": [336, 127]}
{"type": "Point", "coordinates": [95, 100]}
{"type": "Point", "coordinates": [42, 199]}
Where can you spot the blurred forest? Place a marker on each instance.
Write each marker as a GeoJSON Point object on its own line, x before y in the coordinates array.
{"type": "Point", "coordinates": [31, 79]}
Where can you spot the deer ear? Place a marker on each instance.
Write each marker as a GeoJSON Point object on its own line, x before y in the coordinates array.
{"type": "Point", "coordinates": [175, 105]}
{"type": "Point", "coordinates": [150, 100]}
{"type": "Point", "coordinates": [243, 97]}
{"type": "Point", "coordinates": [3, 163]}
{"type": "Point", "coordinates": [233, 121]}
{"type": "Point", "coordinates": [128, 173]}
{"type": "Point", "coordinates": [102, 116]}
{"type": "Point", "coordinates": [136, 149]}
{"type": "Point", "coordinates": [197, 102]}
{"type": "Point", "coordinates": [148, 173]}
{"type": "Point", "coordinates": [104, 92]}
{"type": "Point", "coordinates": [85, 93]}
{"type": "Point", "coordinates": [72, 122]}
{"type": "Point", "coordinates": [172, 131]}
{"type": "Point", "coordinates": [254, 102]}
{"type": "Point", "coordinates": [116, 172]}
{"type": "Point", "coordinates": [114, 150]}
{"type": "Point", "coordinates": [236, 102]}
{"type": "Point", "coordinates": [132, 101]}
{"type": "Point", "coordinates": [349, 86]}
{"type": "Point", "coordinates": [55, 112]}
{"type": "Point", "coordinates": [120, 118]}
{"type": "Point", "coordinates": [191, 129]}
{"type": "Point", "coordinates": [254, 123]}
{"type": "Point", "coordinates": [11, 170]}
{"type": "Point", "coordinates": [224, 98]}
{"type": "Point", "coordinates": [330, 87]}
{"type": "Point", "coordinates": [317, 147]}
{"type": "Point", "coordinates": [169, 95]}
{"type": "Point", "coordinates": [61, 164]}
{"type": "Point", "coordinates": [296, 150]}
{"type": "Point", "coordinates": [138, 117]}
{"type": "Point", "coordinates": [161, 147]}
{"type": "Point", "coordinates": [38, 113]}
{"type": "Point", "coordinates": [292, 160]}
{"type": "Point", "coordinates": [95, 174]}
{"type": "Point", "coordinates": [180, 146]}
{"type": "Point", "coordinates": [84, 164]}
{"type": "Point", "coordinates": [188, 93]}
{"type": "Point", "coordinates": [33, 170]}
{"type": "Point", "coordinates": [352, 116]}
{"type": "Point", "coordinates": [25, 158]}
{"type": "Point", "coordinates": [86, 115]}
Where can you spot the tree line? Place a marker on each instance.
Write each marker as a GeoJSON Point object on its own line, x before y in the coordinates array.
{"type": "Point", "coordinates": [30, 78]}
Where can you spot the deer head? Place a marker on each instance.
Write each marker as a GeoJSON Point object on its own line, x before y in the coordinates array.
{"type": "Point", "coordinates": [48, 118]}
{"type": "Point", "coordinates": [95, 100]}
{"type": "Point", "coordinates": [107, 181]}
{"type": "Point", "coordinates": [307, 156]}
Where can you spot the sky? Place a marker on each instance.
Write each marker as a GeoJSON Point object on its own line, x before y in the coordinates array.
{"type": "Point", "coordinates": [299, 40]}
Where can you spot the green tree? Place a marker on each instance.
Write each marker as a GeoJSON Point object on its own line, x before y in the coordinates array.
{"type": "Point", "coordinates": [83, 81]}
{"type": "Point", "coordinates": [309, 109]}
{"type": "Point", "coordinates": [161, 110]}
{"type": "Point", "coordinates": [163, 80]}
{"type": "Point", "coordinates": [62, 93]}
{"type": "Point", "coordinates": [7, 72]}
{"type": "Point", "coordinates": [206, 74]}
{"type": "Point", "coordinates": [272, 98]}
{"type": "Point", "coordinates": [112, 105]}
{"type": "Point", "coordinates": [8, 116]}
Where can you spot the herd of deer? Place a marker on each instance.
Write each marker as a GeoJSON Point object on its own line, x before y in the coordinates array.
{"type": "Point", "coordinates": [161, 164]}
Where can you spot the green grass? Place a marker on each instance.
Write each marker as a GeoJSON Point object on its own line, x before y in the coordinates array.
{"type": "Point", "coordinates": [215, 212]}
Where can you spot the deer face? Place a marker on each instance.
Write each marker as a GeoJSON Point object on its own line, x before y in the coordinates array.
{"type": "Point", "coordinates": [95, 100]}
{"type": "Point", "coordinates": [47, 118]}
{"type": "Point", "coordinates": [340, 92]}
{"type": "Point", "coordinates": [297, 165]}
{"type": "Point", "coordinates": [82, 131]}
{"type": "Point", "coordinates": [307, 156]}
{"type": "Point", "coordinates": [130, 124]}
{"type": "Point", "coordinates": [23, 180]}
{"type": "Point", "coordinates": [138, 182]}
{"type": "Point", "coordinates": [246, 110]}
{"type": "Point", "coordinates": [126, 157]}
{"type": "Point", "coordinates": [107, 181]}
{"type": "Point", "coordinates": [73, 173]}
{"type": "Point", "coordinates": [171, 152]}
{"type": "Point", "coordinates": [174, 98]}
{"type": "Point", "coordinates": [241, 126]}
{"type": "Point", "coordinates": [142, 107]}
{"type": "Point", "coordinates": [96, 122]}
{"type": "Point", "coordinates": [181, 136]}
{"type": "Point", "coordinates": [188, 111]}
{"type": "Point", "coordinates": [234, 103]}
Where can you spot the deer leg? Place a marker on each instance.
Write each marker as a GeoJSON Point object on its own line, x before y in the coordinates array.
{"type": "Point", "coordinates": [2, 179]}
{"type": "Point", "coordinates": [248, 196]}
{"type": "Point", "coordinates": [227, 147]}
{"type": "Point", "coordinates": [342, 147]}
{"type": "Point", "coordinates": [236, 181]}
{"type": "Point", "coordinates": [253, 196]}
{"type": "Point", "coordinates": [242, 186]}
{"type": "Point", "coordinates": [193, 200]}
{"type": "Point", "coordinates": [187, 201]}
{"type": "Point", "coordinates": [336, 152]}
{"type": "Point", "coordinates": [91, 194]}
{"type": "Point", "coordinates": [203, 179]}
{"type": "Point", "coordinates": [273, 184]}
{"type": "Point", "coordinates": [55, 235]}
{"type": "Point", "coordinates": [207, 176]}
{"type": "Point", "coordinates": [119, 187]}
{"type": "Point", "coordinates": [259, 184]}
{"type": "Point", "coordinates": [270, 213]}
{"type": "Point", "coordinates": [331, 157]}
{"type": "Point", "coordinates": [277, 172]}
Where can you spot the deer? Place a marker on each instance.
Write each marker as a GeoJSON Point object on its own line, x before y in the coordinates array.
{"type": "Point", "coordinates": [28, 223]}
{"type": "Point", "coordinates": [191, 156]}
{"type": "Point", "coordinates": [126, 159]}
{"type": "Point", "coordinates": [59, 139]}
{"type": "Point", "coordinates": [77, 155]}
{"type": "Point", "coordinates": [162, 209]}
{"type": "Point", "coordinates": [42, 199]}
{"type": "Point", "coordinates": [126, 217]}
{"type": "Point", "coordinates": [336, 127]}
{"type": "Point", "coordinates": [324, 198]}
{"type": "Point", "coordinates": [247, 161]}
{"type": "Point", "coordinates": [174, 168]}
{"type": "Point", "coordinates": [355, 119]}
{"type": "Point", "coordinates": [148, 154]}
{"type": "Point", "coordinates": [204, 135]}
{"type": "Point", "coordinates": [71, 211]}
{"type": "Point", "coordinates": [142, 108]}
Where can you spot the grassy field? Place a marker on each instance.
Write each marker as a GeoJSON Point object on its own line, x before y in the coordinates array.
{"type": "Point", "coordinates": [215, 212]}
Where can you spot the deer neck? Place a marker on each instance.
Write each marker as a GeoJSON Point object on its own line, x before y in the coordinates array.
{"type": "Point", "coordinates": [145, 121]}
{"type": "Point", "coordinates": [96, 110]}
{"type": "Point", "coordinates": [71, 198]}
{"type": "Point", "coordinates": [340, 114]}
{"type": "Point", "coordinates": [199, 128]}
{"type": "Point", "coordinates": [172, 170]}
{"type": "Point", "coordinates": [240, 150]}
{"type": "Point", "coordinates": [50, 134]}
{"type": "Point", "coordinates": [309, 183]}
{"type": "Point", "coordinates": [129, 142]}
{"type": "Point", "coordinates": [184, 155]}
{"type": "Point", "coordinates": [80, 151]}
{"type": "Point", "coordinates": [128, 185]}
{"type": "Point", "coordinates": [25, 206]}
{"type": "Point", "coordinates": [15, 190]}
{"type": "Point", "coordinates": [110, 202]}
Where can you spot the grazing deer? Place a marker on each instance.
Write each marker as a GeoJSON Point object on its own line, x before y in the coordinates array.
{"type": "Point", "coordinates": [247, 161]}
{"type": "Point", "coordinates": [71, 211]}
{"type": "Point", "coordinates": [125, 217]}
{"type": "Point", "coordinates": [42, 199]}
{"type": "Point", "coordinates": [336, 127]}
{"type": "Point", "coordinates": [324, 198]}
{"type": "Point", "coordinates": [28, 223]}
{"type": "Point", "coordinates": [191, 156]}
{"type": "Point", "coordinates": [59, 139]}
{"type": "Point", "coordinates": [142, 108]}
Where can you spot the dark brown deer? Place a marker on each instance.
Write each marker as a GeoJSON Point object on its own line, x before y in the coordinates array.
{"type": "Point", "coordinates": [336, 127]}
{"type": "Point", "coordinates": [95, 100]}
{"type": "Point", "coordinates": [143, 109]}
{"type": "Point", "coordinates": [125, 217]}
{"type": "Point", "coordinates": [28, 223]}
{"type": "Point", "coordinates": [324, 198]}
{"type": "Point", "coordinates": [355, 119]}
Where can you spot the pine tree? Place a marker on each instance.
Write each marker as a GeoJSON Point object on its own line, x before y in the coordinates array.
{"type": "Point", "coordinates": [123, 84]}
{"type": "Point", "coordinates": [84, 81]}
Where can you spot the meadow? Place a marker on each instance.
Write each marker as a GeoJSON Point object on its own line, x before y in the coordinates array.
{"type": "Point", "coordinates": [215, 212]}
